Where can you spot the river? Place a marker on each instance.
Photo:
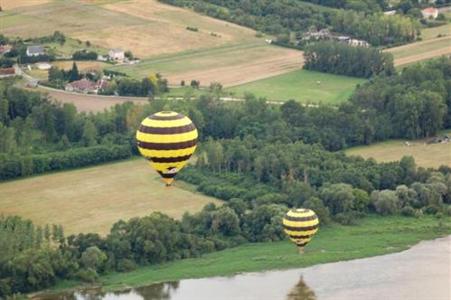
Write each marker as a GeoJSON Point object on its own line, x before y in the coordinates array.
{"type": "Point", "coordinates": [421, 273]}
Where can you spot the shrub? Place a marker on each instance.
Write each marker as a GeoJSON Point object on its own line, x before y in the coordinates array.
{"type": "Point", "coordinates": [408, 211]}
{"type": "Point", "coordinates": [87, 275]}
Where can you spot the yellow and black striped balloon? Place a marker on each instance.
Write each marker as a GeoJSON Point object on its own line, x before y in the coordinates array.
{"type": "Point", "coordinates": [167, 140]}
{"type": "Point", "coordinates": [300, 225]}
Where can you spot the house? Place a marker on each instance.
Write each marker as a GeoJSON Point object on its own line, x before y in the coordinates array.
{"type": "Point", "coordinates": [430, 13]}
{"type": "Point", "coordinates": [116, 54]}
{"type": "Point", "coordinates": [35, 50]}
{"type": "Point", "coordinates": [317, 35]}
{"type": "Point", "coordinates": [84, 86]}
{"type": "Point", "coordinates": [7, 72]}
{"type": "Point", "coordinates": [358, 43]}
{"type": "Point", "coordinates": [390, 12]}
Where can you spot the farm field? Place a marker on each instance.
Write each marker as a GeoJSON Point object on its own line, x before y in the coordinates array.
{"type": "Point", "coordinates": [89, 103]}
{"type": "Point", "coordinates": [302, 85]}
{"type": "Point", "coordinates": [425, 155]}
{"type": "Point", "coordinates": [421, 50]}
{"type": "Point", "coordinates": [436, 42]}
{"type": "Point", "coordinates": [92, 199]}
{"type": "Point", "coordinates": [158, 35]}
{"type": "Point", "coordinates": [231, 64]}
{"type": "Point", "coordinates": [373, 236]}
{"type": "Point", "coordinates": [146, 27]}
{"type": "Point", "coordinates": [11, 4]}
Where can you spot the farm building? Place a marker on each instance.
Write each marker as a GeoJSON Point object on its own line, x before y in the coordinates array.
{"type": "Point", "coordinates": [430, 12]}
{"type": "Point", "coordinates": [86, 86]}
{"type": "Point", "coordinates": [358, 43]}
{"type": "Point", "coordinates": [7, 72]}
{"type": "Point", "coordinates": [116, 54]}
{"type": "Point", "coordinates": [82, 86]}
{"type": "Point", "coordinates": [35, 50]}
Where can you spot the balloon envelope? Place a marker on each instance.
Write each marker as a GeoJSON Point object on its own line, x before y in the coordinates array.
{"type": "Point", "coordinates": [300, 225]}
{"type": "Point", "coordinates": [167, 140]}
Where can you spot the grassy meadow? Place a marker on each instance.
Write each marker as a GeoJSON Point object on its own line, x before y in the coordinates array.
{"type": "Point", "coordinates": [425, 155]}
{"type": "Point", "coordinates": [374, 235]}
{"type": "Point", "coordinates": [302, 85]}
{"type": "Point", "coordinates": [92, 199]}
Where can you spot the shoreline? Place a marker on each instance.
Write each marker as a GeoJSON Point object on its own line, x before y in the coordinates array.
{"type": "Point", "coordinates": [346, 243]}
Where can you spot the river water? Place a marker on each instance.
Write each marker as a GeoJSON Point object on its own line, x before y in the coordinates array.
{"type": "Point", "coordinates": [420, 273]}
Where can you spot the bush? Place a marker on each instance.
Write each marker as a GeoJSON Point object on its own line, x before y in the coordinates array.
{"type": "Point", "coordinates": [408, 211]}
{"type": "Point", "coordinates": [125, 265]}
{"type": "Point", "coordinates": [87, 275]}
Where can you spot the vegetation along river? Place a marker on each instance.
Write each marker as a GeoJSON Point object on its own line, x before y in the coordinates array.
{"type": "Point", "coordinates": [421, 273]}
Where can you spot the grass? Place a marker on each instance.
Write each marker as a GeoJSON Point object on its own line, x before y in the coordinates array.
{"type": "Point", "coordinates": [302, 85]}
{"type": "Point", "coordinates": [92, 199]}
{"type": "Point", "coordinates": [425, 155]}
{"type": "Point", "coordinates": [71, 46]}
{"type": "Point", "coordinates": [374, 235]}
{"type": "Point", "coordinates": [421, 47]}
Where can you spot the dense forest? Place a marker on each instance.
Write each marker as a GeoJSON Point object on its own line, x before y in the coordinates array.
{"type": "Point", "coordinates": [342, 59]}
{"type": "Point", "coordinates": [282, 17]}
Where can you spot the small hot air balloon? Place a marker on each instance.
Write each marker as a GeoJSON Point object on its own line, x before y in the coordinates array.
{"type": "Point", "coordinates": [167, 140]}
{"type": "Point", "coordinates": [300, 225]}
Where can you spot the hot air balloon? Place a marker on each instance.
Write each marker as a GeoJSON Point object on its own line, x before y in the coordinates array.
{"type": "Point", "coordinates": [167, 140]}
{"type": "Point", "coordinates": [300, 225]}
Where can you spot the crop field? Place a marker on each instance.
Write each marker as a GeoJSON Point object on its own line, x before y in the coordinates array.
{"type": "Point", "coordinates": [425, 155]}
{"type": "Point", "coordinates": [92, 199]}
{"type": "Point", "coordinates": [231, 64]}
{"type": "Point", "coordinates": [419, 51]}
{"type": "Point", "coordinates": [146, 27]}
{"type": "Point", "coordinates": [302, 85]}
{"type": "Point", "coordinates": [436, 42]}
{"type": "Point", "coordinates": [157, 33]}
{"type": "Point", "coordinates": [11, 4]}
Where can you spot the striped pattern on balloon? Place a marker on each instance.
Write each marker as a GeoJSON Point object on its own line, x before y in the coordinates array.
{"type": "Point", "coordinates": [300, 225]}
{"type": "Point", "coordinates": [167, 140]}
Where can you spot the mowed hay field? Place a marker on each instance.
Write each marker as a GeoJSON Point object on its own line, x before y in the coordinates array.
{"type": "Point", "coordinates": [436, 42]}
{"type": "Point", "coordinates": [230, 64]}
{"type": "Point", "coordinates": [92, 199]}
{"type": "Point", "coordinates": [302, 85]}
{"type": "Point", "coordinates": [425, 155]}
{"type": "Point", "coordinates": [10, 4]}
{"type": "Point", "coordinates": [157, 33]}
{"type": "Point", "coordinates": [89, 103]}
{"type": "Point", "coordinates": [146, 27]}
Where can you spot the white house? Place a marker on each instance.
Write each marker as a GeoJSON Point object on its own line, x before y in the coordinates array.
{"type": "Point", "coordinates": [358, 43]}
{"type": "Point", "coordinates": [35, 50]}
{"type": "Point", "coordinates": [116, 54]}
{"type": "Point", "coordinates": [430, 12]}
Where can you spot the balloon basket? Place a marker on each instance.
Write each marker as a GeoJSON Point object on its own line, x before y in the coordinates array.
{"type": "Point", "coordinates": [301, 250]}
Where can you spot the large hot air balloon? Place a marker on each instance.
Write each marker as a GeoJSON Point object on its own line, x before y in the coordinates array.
{"type": "Point", "coordinates": [167, 140]}
{"type": "Point", "coordinates": [300, 225]}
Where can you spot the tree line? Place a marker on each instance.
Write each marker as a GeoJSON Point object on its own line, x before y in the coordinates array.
{"type": "Point", "coordinates": [342, 59]}
{"type": "Point", "coordinates": [283, 17]}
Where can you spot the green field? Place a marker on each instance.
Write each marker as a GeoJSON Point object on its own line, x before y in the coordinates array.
{"type": "Point", "coordinates": [425, 155]}
{"type": "Point", "coordinates": [92, 199]}
{"type": "Point", "coordinates": [303, 85]}
{"type": "Point", "coordinates": [373, 236]}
